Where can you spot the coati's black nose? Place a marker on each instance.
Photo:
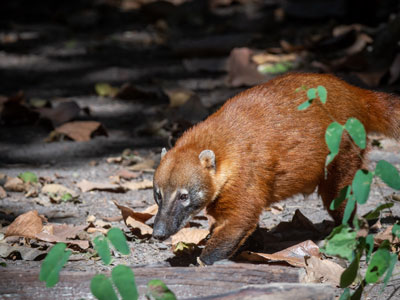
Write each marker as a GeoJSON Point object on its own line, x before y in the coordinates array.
{"type": "Point", "coordinates": [159, 231]}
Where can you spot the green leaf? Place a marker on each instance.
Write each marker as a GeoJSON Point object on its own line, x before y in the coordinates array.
{"type": "Point", "coordinates": [349, 275]}
{"type": "Point", "coordinates": [388, 173]}
{"type": "Point", "coordinates": [369, 242]}
{"type": "Point", "coordinates": [311, 94]}
{"type": "Point", "coordinates": [322, 93]}
{"type": "Point", "coordinates": [350, 205]}
{"type": "Point", "coordinates": [374, 214]}
{"type": "Point", "coordinates": [304, 105]}
{"type": "Point", "coordinates": [28, 177]}
{"type": "Point", "coordinates": [124, 279]}
{"type": "Point", "coordinates": [341, 242]}
{"type": "Point", "coordinates": [102, 248]}
{"type": "Point", "coordinates": [345, 295]}
{"type": "Point", "coordinates": [357, 132]}
{"type": "Point", "coordinates": [396, 229]}
{"type": "Point", "coordinates": [118, 239]}
{"type": "Point", "coordinates": [66, 197]}
{"type": "Point", "coordinates": [361, 185]}
{"type": "Point", "coordinates": [357, 294]}
{"type": "Point", "coordinates": [102, 288]}
{"type": "Point", "coordinates": [333, 136]}
{"type": "Point", "coordinates": [378, 265]}
{"type": "Point", "coordinates": [53, 263]}
{"type": "Point", "coordinates": [392, 264]}
{"type": "Point", "coordinates": [157, 290]}
{"type": "Point", "coordinates": [343, 195]}
{"type": "Point", "coordinates": [105, 90]}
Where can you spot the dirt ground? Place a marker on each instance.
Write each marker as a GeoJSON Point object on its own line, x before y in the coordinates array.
{"type": "Point", "coordinates": [61, 55]}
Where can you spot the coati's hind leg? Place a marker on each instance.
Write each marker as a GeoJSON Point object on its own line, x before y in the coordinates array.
{"type": "Point", "coordinates": [340, 174]}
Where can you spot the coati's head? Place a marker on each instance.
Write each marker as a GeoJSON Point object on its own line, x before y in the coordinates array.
{"type": "Point", "coordinates": [183, 186]}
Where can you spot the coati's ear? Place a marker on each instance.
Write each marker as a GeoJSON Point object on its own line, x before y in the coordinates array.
{"type": "Point", "coordinates": [207, 159]}
{"type": "Point", "coordinates": [163, 152]}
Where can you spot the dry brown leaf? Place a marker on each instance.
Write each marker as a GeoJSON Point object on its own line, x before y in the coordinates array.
{"type": "Point", "coordinates": [81, 131]}
{"type": "Point", "coordinates": [190, 236]}
{"type": "Point", "coordinates": [94, 229]}
{"type": "Point", "coordinates": [138, 228]}
{"type": "Point", "coordinates": [87, 186]}
{"type": "Point", "coordinates": [62, 233]}
{"type": "Point", "coordinates": [385, 235]}
{"type": "Point", "coordinates": [128, 175]}
{"type": "Point", "coordinates": [294, 255]}
{"type": "Point", "coordinates": [64, 112]}
{"type": "Point", "coordinates": [264, 58]}
{"type": "Point", "coordinates": [26, 225]}
{"type": "Point", "coordinates": [57, 189]}
{"type": "Point", "coordinates": [3, 193]}
{"type": "Point", "coordinates": [90, 219]}
{"type": "Point", "coordinates": [145, 166]}
{"type": "Point", "coordinates": [276, 209]}
{"type": "Point", "coordinates": [102, 224]}
{"type": "Point", "coordinates": [114, 160]}
{"type": "Point", "coordinates": [179, 96]}
{"type": "Point", "coordinates": [138, 185]}
{"type": "Point", "coordinates": [128, 212]}
{"type": "Point", "coordinates": [322, 271]}
{"type": "Point", "coordinates": [15, 184]}
{"type": "Point", "coordinates": [151, 210]}
{"type": "Point", "coordinates": [241, 71]}
{"type": "Point", "coordinates": [372, 79]}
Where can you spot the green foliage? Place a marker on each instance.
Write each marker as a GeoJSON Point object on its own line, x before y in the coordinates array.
{"type": "Point", "coordinates": [28, 177]}
{"type": "Point", "coordinates": [124, 280]}
{"type": "Point", "coordinates": [52, 264]}
{"type": "Point", "coordinates": [333, 137]}
{"type": "Point", "coordinates": [388, 173]}
{"type": "Point", "coordinates": [343, 241]}
{"type": "Point", "coordinates": [102, 248]}
{"type": "Point", "coordinates": [118, 240]}
{"type": "Point", "coordinates": [102, 288]}
{"type": "Point", "coordinates": [157, 290]}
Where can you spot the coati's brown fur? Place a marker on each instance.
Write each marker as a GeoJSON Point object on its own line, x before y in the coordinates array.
{"type": "Point", "coordinates": [265, 150]}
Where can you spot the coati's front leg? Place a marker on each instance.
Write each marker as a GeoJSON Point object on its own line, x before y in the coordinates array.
{"type": "Point", "coordinates": [229, 231]}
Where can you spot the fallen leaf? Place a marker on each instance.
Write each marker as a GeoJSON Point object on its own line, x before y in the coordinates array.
{"type": "Point", "coordinates": [26, 225]}
{"type": "Point", "coordinates": [372, 78]}
{"type": "Point", "coordinates": [138, 228]}
{"type": "Point", "coordinates": [395, 70]}
{"type": "Point", "coordinates": [190, 236]}
{"type": "Point", "coordinates": [241, 71]}
{"type": "Point", "coordinates": [126, 174]}
{"type": "Point", "coordinates": [26, 253]}
{"type": "Point", "coordinates": [95, 229]}
{"type": "Point", "coordinates": [63, 233]}
{"type": "Point", "coordinates": [114, 160]}
{"type": "Point", "coordinates": [145, 166]}
{"type": "Point", "coordinates": [179, 96]}
{"type": "Point", "coordinates": [102, 224]}
{"type": "Point", "coordinates": [294, 255]}
{"type": "Point", "coordinates": [81, 131]}
{"type": "Point", "coordinates": [90, 219]}
{"type": "Point", "coordinates": [151, 210]}
{"type": "Point", "coordinates": [58, 192]}
{"type": "Point", "coordinates": [3, 193]}
{"type": "Point", "coordinates": [62, 113]}
{"type": "Point", "coordinates": [14, 184]}
{"type": "Point", "coordinates": [138, 185]}
{"type": "Point", "coordinates": [322, 271]}
{"type": "Point", "coordinates": [138, 216]}
{"type": "Point", "coordinates": [263, 58]}
{"type": "Point", "coordinates": [87, 186]}
{"type": "Point", "coordinates": [385, 235]}
{"type": "Point", "coordinates": [276, 209]}
{"type": "Point", "coordinates": [105, 90]}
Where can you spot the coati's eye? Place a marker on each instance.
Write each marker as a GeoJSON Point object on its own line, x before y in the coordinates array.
{"type": "Point", "coordinates": [183, 196]}
{"type": "Point", "coordinates": [157, 196]}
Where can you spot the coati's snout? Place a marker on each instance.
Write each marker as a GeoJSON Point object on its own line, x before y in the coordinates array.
{"type": "Point", "coordinates": [181, 189]}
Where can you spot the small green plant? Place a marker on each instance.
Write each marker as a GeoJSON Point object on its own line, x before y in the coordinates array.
{"type": "Point", "coordinates": [344, 241]}
{"type": "Point", "coordinates": [28, 177]}
{"type": "Point", "coordinates": [121, 285]}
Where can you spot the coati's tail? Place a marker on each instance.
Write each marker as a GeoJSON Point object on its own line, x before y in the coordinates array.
{"type": "Point", "coordinates": [383, 114]}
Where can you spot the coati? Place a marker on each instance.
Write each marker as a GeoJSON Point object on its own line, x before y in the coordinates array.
{"type": "Point", "coordinates": [258, 148]}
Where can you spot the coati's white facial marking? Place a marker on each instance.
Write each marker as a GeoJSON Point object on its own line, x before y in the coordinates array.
{"type": "Point", "coordinates": [200, 194]}
{"type": "Point", "coordinates": [184, 197]}
{"type": "Point", "coordinates": [172, 197]}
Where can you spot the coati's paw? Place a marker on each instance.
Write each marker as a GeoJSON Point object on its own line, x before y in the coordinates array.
{"type": "Point", "coordinates": [210, 257]}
